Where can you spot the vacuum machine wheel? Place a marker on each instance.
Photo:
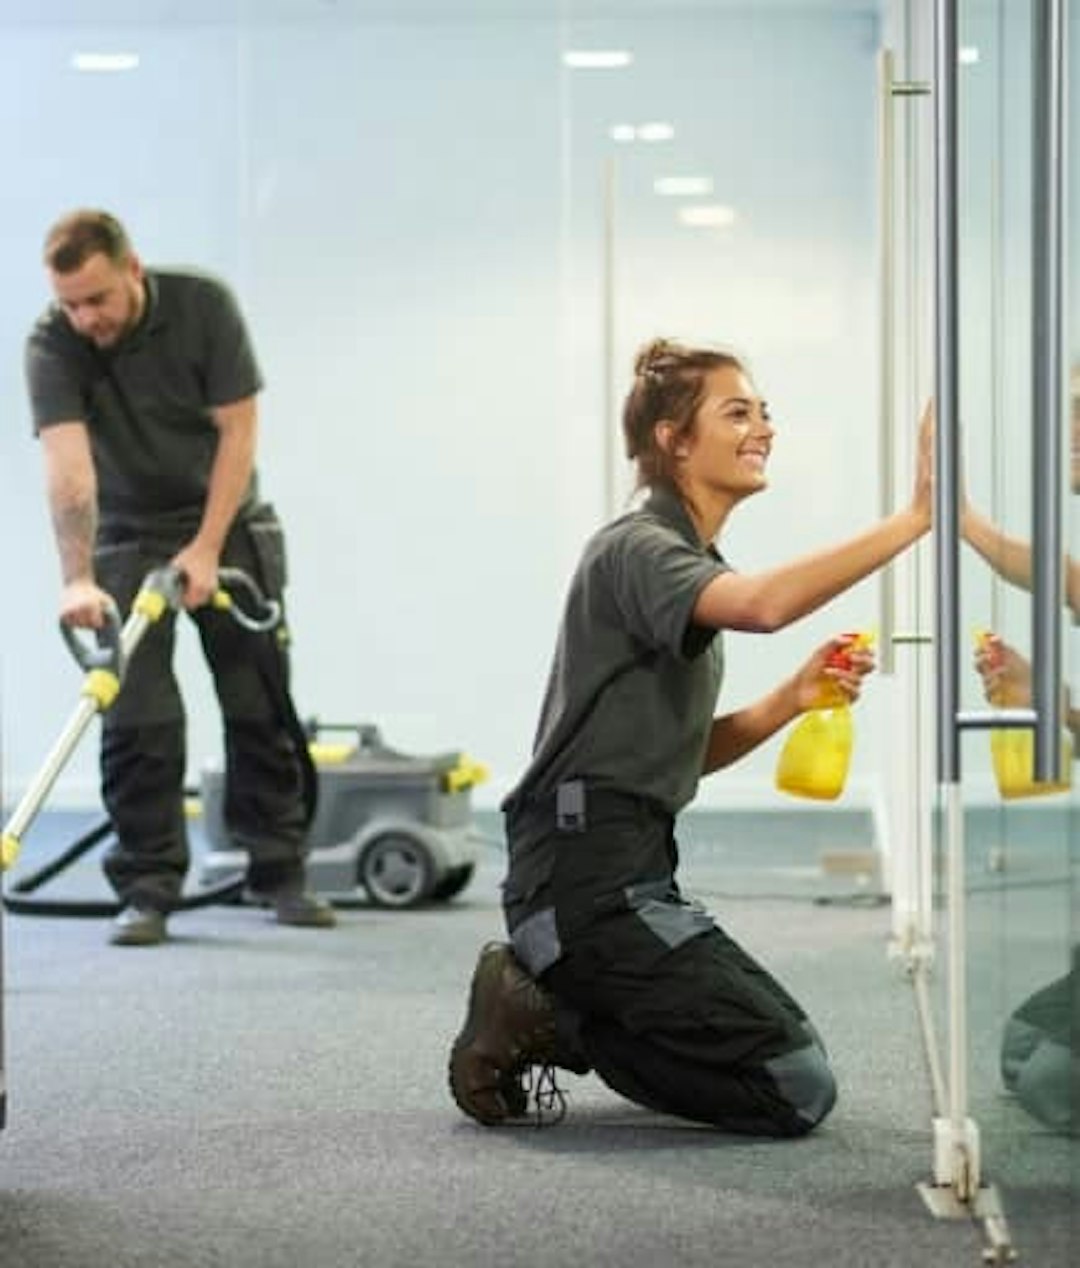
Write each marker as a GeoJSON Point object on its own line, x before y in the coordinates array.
{"type": "Point", "coordinates": [397, 870]}
{"type": "Point", "coordinates": [453, 882]}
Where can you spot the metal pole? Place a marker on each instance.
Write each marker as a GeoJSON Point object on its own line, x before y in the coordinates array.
{"type": "Point", "coordinates": [57, 758]}
{"type": "Point", "coordinates": [1046, 363]}
{"type": "Point", "coordinates": [946, 511]}
{"type": "Point", "coordinates": [956, 1139]}
{"type": "Point", "coordinates": [886, 334]}
{"type": "Point", "coordinates": [957, 923]}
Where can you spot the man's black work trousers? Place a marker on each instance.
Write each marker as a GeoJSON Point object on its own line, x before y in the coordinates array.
{"type": "Point", "coordinates": [143, 752]}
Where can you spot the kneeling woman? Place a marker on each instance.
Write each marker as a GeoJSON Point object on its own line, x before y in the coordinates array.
{"type": "Point", "coordinates": [611, 969]}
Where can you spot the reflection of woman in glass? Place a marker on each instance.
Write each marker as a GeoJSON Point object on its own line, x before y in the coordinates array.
{"type": "Point", "coordinates": [1010, 557]}
{"type": "Point", "coordinates": [1040, 1060]}
{"type": "Point", "coordinates": [1040, 1050]}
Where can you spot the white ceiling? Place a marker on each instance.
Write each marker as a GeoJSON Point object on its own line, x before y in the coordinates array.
{"type": "Point", "coordinates": [86, 13]}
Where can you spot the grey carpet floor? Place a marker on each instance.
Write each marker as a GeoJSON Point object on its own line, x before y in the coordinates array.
{"type": "Point", "coordinates": [257, 1097]}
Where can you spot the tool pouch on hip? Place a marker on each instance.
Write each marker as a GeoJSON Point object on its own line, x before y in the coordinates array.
{"type": "Point", "coordinates": [267, 539]}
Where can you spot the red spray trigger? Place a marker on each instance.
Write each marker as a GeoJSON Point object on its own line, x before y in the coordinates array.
{"type": "Point", "coordinates": [856, 641]}
{"type": "Point", "coordinates": [830, 695]}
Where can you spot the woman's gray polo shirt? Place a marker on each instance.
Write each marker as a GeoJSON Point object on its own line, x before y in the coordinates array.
{"type": "Point", "coordinates": [147, 402]}
{"type": "Point", "coordinates": [630, 698]}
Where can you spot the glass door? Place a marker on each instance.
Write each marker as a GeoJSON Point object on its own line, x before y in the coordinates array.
{"type": "Point", "coordinates": [1004, 827]}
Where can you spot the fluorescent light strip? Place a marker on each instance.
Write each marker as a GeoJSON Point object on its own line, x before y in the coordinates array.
{"type": "Point", "coordinates": [683, 186]}
{"type": "Point", "coordinates": [709, 216]}
{"type": "Point", "coordinates": [597, 59]}
{"type": "Point", "coordinates": [104, 63]}
{"type": "Point", "coordinates": [642, 132]}
{"type": "Point", "coordinates": [655, 132]}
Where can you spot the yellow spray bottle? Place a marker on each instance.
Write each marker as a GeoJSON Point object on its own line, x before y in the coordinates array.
{"type": "Point", "coordinates": [1012, 752]}
{"type": "Point", "coordinates": [817, 753]}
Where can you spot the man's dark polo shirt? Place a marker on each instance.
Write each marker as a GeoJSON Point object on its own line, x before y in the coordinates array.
{"type": "Point", "coordinates": [147, 402]}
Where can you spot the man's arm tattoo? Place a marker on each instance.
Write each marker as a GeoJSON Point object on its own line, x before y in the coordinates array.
{"type": "Point", "coordinates": [75, 525]}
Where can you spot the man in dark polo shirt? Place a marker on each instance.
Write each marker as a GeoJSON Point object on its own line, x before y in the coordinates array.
{"type": "Point", "coordinates": [143, 388]}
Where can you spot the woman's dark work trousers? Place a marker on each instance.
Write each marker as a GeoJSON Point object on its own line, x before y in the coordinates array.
{"type": "Point", "coordinates": [668, 1010]}
{"type": "Point", "coordinates": [143, 752]}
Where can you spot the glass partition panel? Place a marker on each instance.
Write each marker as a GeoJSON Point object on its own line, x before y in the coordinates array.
{"type": "Point", "coordinates": [1019, 861]}
{"type": "Point", "coordinates": [694, 214]}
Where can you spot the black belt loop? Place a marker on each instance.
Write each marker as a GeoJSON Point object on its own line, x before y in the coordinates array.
{"type": "Point", "coordinates": [570, 806]}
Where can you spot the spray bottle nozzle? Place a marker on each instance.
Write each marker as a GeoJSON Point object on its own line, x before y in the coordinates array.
{"type": "Point", "coordinates": [815, 758]}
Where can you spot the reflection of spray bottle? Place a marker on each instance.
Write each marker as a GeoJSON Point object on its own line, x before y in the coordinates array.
{"type": "Point", "coordinates": [1012, 751]}
{"type": "Point", "coordinates": [815, 758]}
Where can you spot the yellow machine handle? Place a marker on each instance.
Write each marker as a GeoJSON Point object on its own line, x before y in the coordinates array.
{"type": "Point", "coordinates": [9, 851]}
{"type": "Point", "coordinates": [324, 753]}
{"type": "Point", "coordinates": [464, 775]}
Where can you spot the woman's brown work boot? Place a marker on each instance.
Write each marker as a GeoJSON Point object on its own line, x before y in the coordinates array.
{"type": "Point", "coordinates": [509, 1025]}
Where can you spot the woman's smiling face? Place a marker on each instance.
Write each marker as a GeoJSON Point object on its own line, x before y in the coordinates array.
{"type": "Point", "coordinates": [729, 447]}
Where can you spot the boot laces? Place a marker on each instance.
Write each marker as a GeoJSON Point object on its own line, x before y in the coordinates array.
{"type": "Point", "coordinates": [548, 1099]}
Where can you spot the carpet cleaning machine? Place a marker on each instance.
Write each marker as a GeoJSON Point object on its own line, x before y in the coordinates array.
{"type": "Point", "coordinates": [383, 825]}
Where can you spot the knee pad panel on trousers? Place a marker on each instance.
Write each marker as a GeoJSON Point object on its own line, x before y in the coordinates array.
{"type": "Point", "coordinates": [806, 1082]}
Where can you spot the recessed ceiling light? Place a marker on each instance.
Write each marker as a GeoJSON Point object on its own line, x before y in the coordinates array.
{"type": "Point", "coordinates": [623, 132]}
{"type": "Point", "coordinates": [597, 59]}
{"type": "Point", "coordinates": [683, 186]}
{"type": "Point", "coordinates": [104, 63]}
{"type": "Point", "coordinates": [655, 132]}
{"type": "Point", "coordinates": [707, 216]}
{"type": "Point", "coordinates": [968, 55]}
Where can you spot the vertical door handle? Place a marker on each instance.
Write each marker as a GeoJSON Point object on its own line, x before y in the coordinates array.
{"type": "Point", "coordinates": [1047, 203]}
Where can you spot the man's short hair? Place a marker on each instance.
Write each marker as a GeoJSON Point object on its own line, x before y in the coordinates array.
{"type": "Point", "coordinates": [83, 233]}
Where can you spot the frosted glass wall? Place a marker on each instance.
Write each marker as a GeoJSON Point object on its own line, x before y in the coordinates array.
{"type": "Point", "coordinates": [413, 214]}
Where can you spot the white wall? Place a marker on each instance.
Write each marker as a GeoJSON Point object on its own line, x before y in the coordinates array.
{"type": "Point", "coordinates": [411, 213]}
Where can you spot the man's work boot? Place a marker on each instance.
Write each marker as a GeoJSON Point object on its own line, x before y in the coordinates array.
{"type": "Point", "coordinates": [137, 926]}
{"type": "Point", "coordinates": [509, 1025]}
{"type": "Point", "coordinates": [305, 910]}
{"type": "Point", "coordinates": [293, 903]}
